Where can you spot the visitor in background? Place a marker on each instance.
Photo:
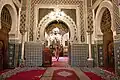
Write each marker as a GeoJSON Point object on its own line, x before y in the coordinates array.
{"type": "Point", "coordinates": [51, 49]}
{"type": "Point", "coordinates": [57, 52]}
{"type": "Point", "coordinates": [61, 50]}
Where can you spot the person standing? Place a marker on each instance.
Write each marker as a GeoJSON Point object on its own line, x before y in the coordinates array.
{"type": "Point", "coordinates": [61, 50]}
{"type": "Point", "coordinates": [57, 52]}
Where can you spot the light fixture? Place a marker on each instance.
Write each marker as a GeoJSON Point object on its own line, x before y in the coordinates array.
{"type": "Point", "coordinates": [57, 13]}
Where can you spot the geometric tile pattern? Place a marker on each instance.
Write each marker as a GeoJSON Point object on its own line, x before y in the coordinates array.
{"type": "Point", "coordinates": [11, 55]}
{"type": "Point", "coordinates": [79, 55]}
{"type": "Point", "coordinates": [90, 20]}
{"type": "Point", "coordinates": [117, 56]}
{"type": "Point", "coordinates": [94, 55]}
{"type": "Point", "coordinates": [89, 15]}
{"type": "Point", "coordinates": [23, 17]}
{"type": "Point", "coordinates": [18, 49]}
{"type": "Point", "coordinates": [33, 54]}
{"type": "Point", "coordinates": [116, 15]}
{"type": "Point", "coordinates": [14, 53]}
{"type": "Point", "coordinates": [100, 55]}
{"type": "Point", "coordinates": [22, 22]}
{"type": "Point", "coordinates": [82, 30]}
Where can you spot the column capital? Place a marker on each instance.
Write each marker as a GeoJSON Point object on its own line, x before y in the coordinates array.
{"type": "Point", "coordinates": [23, 31]}
{"type": "Point", "coordinates": [89, 31]}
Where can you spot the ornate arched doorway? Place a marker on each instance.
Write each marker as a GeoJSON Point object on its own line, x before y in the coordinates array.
{"type": "Point", "coordinates": [105, 28]}
{"type": "Point", "coordinates": [55, 16]}
{"type": "Point", "coordinates": [107, 39]}
{"type": "Point", "coordinates": [8, 28]}
{"type": "Point", "coordinates": [57, 33]}
{"type": "Point", "coordinates": [6, 23]}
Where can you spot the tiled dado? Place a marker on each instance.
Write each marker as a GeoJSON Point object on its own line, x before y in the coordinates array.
{"type": "Point", "coordinates": [13, 54]}
{"type": "Point", "coordinates": [117, 56]}
{"type": "Point", "coordinates": [100, 55]}
{"type": "Point", "coordinates": [94, 55]}
{"type": "Point", "coordinates": [33, 54]}
{"type": "Point", "coordinates": [79, 55]}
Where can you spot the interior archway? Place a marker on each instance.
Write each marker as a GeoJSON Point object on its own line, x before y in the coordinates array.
{"type": "Point", "coordinates": [106, 30]}
{"type": "Point", "coordinates": [57, 33]}
{"type": "Point", "coordinates": [13, 12]}
{"type": "Point", "coordinates": [6, 19]}
{"type": "Point", "coordinates": [6, 24]}
{"type": "Point", "coordinates": [99, 13]}
{"type": "Point", "coordinates": [108, 50]}
{"type": "Point", "coordinates": [62, 18]}
{"type": "Point", "coordinates": [53, 16]}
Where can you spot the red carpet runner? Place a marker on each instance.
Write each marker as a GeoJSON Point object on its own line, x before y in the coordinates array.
{"type": "Point", "coordinates": [110, 69]}
{"type": "Point", "coordinates": [93, 76]}
{"type": "Point", "coordinates": [62, 62]}
{"type": "Point", "coordinates": [64, 74]}
{"type": "Point", "coordinates": [59, 64]}
{"type": "Point", "coordinates": [27, 75]}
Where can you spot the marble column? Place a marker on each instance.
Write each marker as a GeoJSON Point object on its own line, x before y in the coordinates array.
{"type": "Point", "coordinates": [23, 28]}
{"type": "Point", "coordinates": [22, 31]}
{"type": "Point", "coordinates": [22, 41]}
{"type": "Point", "coordinates": [90, 59]}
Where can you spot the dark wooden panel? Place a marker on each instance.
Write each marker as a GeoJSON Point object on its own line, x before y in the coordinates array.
{"type": "Point", "coordinates": [47, 57]}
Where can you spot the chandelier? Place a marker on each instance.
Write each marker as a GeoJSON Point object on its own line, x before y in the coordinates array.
{"type": "Point", "coordinates": [57, 13]}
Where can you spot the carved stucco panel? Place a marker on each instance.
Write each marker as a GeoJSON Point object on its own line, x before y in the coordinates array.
{"type": "Point", "coordinates": [54, 2]}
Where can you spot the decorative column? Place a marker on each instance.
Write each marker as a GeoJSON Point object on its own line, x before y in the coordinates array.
{"type": "Point", "coordinates": [23, 29]}
{"type": "Point", "coordinates": [90, 31]}
{"type": "Point", "coordinates": [90, 59]}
